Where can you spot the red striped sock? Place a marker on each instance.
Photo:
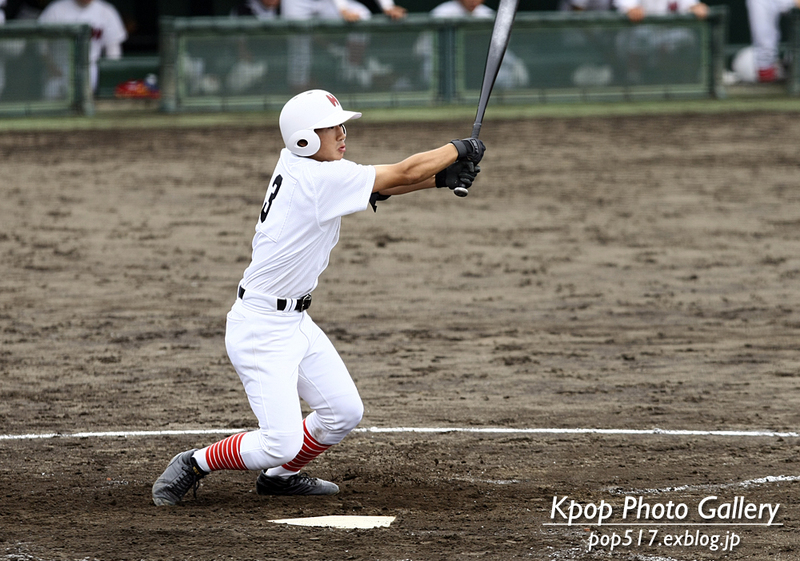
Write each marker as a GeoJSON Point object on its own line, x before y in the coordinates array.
{"type": "Point", "coordinates": [226, 454]}
{"type": "Point", "coordinates": [310, 450]}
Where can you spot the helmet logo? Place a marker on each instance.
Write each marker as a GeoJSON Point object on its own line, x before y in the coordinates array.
{"type": "Point", "coordinates": [333, 100]}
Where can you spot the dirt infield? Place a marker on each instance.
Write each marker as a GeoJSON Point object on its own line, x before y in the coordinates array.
{"type": "Point", "coordinates": [616, 273]}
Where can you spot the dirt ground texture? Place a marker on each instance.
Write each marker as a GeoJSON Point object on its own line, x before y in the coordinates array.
{"type": "Point", "coordinates": [616, 273]}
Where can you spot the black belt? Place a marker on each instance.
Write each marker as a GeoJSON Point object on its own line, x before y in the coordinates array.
{"type": "Point", "coordinates": [302, 303]}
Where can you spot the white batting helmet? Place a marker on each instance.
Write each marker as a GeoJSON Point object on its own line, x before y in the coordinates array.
{"type": "Point", "coordinates": [314, 109]}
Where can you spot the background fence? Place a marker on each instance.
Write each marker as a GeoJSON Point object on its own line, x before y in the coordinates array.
{"type": "Point", "coordinates": [234, 63]}
{"type": "Point", "coordinates": [224, 63]}
{"type": "Point", "coordinates": [44, 68]}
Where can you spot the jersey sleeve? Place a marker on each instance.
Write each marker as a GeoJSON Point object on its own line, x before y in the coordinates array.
{"type": "Point", "coordinates": [49, 14]}
{"type": "Point", "coordinates": [624, 6]}
{"type": "Point", "coordinates": [684, 6]}
{"type": "Point", "coordinates": [115, 32]}
{"type": "Point", "coordinates": [342, 187]}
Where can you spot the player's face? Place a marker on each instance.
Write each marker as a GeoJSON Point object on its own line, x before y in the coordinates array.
{"type": "Point", "coordinates": [331, 144]}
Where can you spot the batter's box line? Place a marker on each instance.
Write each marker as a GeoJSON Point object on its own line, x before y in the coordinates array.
{"type": "Point", "coordinates": [707, 486]}
{"type": "Point", "coordinates": [429, 430]}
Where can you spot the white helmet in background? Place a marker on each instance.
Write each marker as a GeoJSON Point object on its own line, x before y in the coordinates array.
{"type": "Point", "coordinates": [314, 109]}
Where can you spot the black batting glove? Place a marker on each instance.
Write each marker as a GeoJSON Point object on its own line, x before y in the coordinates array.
{"type": "Point", "coordinates": [470, 149]}
{"type": "Point", "coordinates": [459, 174]}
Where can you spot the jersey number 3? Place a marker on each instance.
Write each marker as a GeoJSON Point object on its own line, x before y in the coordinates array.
{"type": "Point", "coordinates": [273, 192]}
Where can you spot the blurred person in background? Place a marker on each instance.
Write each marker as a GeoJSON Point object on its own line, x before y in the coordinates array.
{"type": "Point", "coordinates": [512, 74]}
{"type": "Point", "coordinates": [656, 50]}
{"type": "Point", "coordinates": [9, 48]}
{"type": "Point", "coordinates": [585, 5]}
{"type": "Point", "coordinates": [108, 34]}
{"type": "Point", "coordinates": [2, 62]}
{"type": "Point", "coordinates": [637, 10]}
{"type": "Point", "coordinates": [261, 9]}
{"type": "Point", "coordinates": [354, 66]}
{"type": "Point", "coordinates": [764, 17]}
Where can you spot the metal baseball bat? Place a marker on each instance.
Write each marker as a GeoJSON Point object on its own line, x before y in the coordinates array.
{"type": "Point", "coordinates": [501, 33]}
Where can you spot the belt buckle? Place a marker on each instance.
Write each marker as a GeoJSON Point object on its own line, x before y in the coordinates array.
{"type": "Point", "coordinates": [304, 303]}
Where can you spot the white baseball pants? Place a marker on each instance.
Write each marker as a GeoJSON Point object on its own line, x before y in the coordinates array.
{"type": "Point", "coordinates": [764, 16]}
{"type": "Point", "coordinates": [281, 357]}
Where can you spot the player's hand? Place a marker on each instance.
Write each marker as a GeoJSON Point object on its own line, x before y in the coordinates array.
{"type": "Point", "coordinates": [349, 15]}
{"type": "Point", "coordinates": [636, 14]}
{"type": "Point", "coordinates": [459, 174]}
{"type": "Point", "coordinates": [700, 10]}
{"type": "Point", "coordinates": [470, 149]}
{"type": "Point", "coordinates": [398, 12]}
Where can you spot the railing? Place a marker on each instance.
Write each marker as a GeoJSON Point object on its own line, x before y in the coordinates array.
{"type": "Point", "coordinates": [241, 63]}
{"type": "Point", "coordinates": [44, 69]}
{"type": "Point", "coordinates": [224, 63]}
{"type": "Point", "coordinates": [793, 74]}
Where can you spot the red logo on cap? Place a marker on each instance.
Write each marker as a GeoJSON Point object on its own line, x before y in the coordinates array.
{"type": "Point", "coordinates": [333, 100]}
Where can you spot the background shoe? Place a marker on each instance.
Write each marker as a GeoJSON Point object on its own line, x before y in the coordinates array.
{"type": "Point", "coordinates": [139, 89]}
{"type": "Point", "coordinates": [299, 484]}
{"type": "Point", "coordinates": [182, 474]}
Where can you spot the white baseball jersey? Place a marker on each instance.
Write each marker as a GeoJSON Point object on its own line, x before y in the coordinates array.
{"type": "Point", "coordinates": [454, 9]}
{"type": "Point", "coordinates": [657, 7]}
{"type": "Point", "coordinates": [108, 31]}
{"type": "Point", "coordinates": [324, 9]}
{"type": "Point", "coordinates": [255, 8]}
{"type": "Point", "coordinates": [299, 222]}
{"type": "Point", "coordinates": [586, 5]}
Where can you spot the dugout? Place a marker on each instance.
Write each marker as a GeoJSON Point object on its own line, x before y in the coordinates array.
{"type": "Point", "coordinates": [143, 16]}
{"type": "Point", "coordinates": [554, 56]}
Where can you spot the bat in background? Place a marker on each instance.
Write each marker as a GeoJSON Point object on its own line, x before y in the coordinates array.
{"type": "Point", "coordinates": [501, 33]}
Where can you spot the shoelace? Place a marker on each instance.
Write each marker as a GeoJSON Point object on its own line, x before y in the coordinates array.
{"type": "Point", "coordinates": [188, 479]}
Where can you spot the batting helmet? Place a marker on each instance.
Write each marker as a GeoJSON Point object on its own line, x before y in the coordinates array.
{"type": "Point", "coordinates": [314, 109]}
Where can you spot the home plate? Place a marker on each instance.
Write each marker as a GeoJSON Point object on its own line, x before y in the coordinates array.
{"type": "Point", "coordinates": [340, 521]}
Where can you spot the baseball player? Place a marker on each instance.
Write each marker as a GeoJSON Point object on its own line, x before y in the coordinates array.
{"type": "Point", "coordinates": [108, 34]}
{"type": "Point", "coordinates": [262, 9]}
{"type": "Point", "coordinates": [645, 46]}
{"type": "Point", "coordinates": [764, 16]}
{"type": "Point", "coordinates": [513, 72]}
{"type": "Point", "coordinates": [636, 10]}
{"type": "Point", "coordinates": [276, 348]}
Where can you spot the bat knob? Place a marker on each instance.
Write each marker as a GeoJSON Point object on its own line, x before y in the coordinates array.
{"type": "Point", "coordinates": [461, 191]}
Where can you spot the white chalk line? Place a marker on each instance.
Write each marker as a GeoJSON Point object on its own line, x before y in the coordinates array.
{"type": "Point", "coordinates": [435, 430]}
{"type": "Point", "coordinates": [708, 486]}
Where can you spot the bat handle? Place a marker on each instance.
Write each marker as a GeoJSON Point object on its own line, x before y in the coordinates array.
{"type": "Point", "coordinates": [476, 129]}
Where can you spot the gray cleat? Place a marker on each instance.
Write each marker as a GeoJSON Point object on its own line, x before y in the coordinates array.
{"type": "Point", "coordinates": [182, 474]}
{"type": "Point", "coordinates": [298, 484]}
